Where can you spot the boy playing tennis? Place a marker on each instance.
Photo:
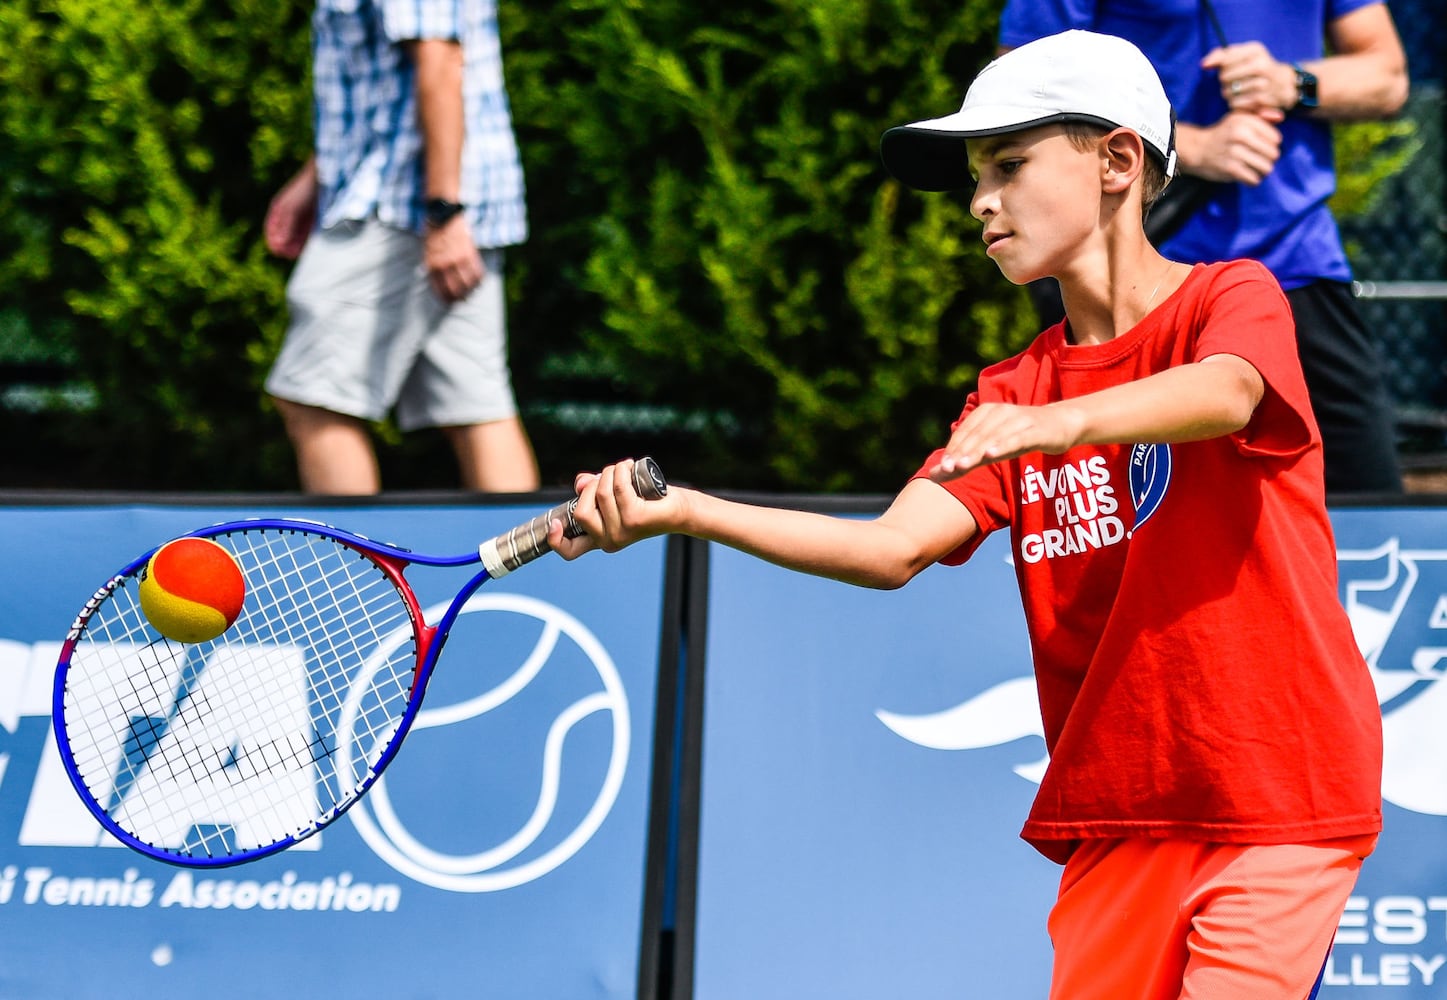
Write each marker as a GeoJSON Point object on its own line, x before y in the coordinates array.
{"type": "Point", "coordinates": [1215, 741]}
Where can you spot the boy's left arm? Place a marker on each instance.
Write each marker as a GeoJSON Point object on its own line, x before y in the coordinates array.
{"type": "Point", "coordinates": [1192, 402]}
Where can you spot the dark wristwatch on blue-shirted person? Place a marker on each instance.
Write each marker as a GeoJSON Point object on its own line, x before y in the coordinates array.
{"type": "Point", "coordinates": [1306, 99]}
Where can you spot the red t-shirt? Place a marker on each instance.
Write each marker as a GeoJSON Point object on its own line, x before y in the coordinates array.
{"type": "Point", "coordinates": [1198, 676]}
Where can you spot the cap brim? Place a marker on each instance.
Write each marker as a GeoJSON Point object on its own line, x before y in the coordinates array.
{"type": "Point", "coordinates": [930, 155]}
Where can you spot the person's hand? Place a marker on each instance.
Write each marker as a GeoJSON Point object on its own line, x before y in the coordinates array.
{"type": "Point", "coordinates": [613, 515]}
{"type": "Point", "coordinates": [291, 214]}
{"type": "Point", "coordinates": [994, 432]}
{"type": "Point", "coordinates": [1252, 79]}
{"type": "Point", "coordinates": [454, 265]}
{"type": "Point", "coordinates": [1242, 147]}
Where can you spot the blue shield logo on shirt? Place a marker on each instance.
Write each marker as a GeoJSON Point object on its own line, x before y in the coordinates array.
{"type": "Point", "coordinates": [1150, 474]}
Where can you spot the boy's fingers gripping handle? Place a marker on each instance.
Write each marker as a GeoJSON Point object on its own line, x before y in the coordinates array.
{"type": "Point", "coordinates": [523, 544]}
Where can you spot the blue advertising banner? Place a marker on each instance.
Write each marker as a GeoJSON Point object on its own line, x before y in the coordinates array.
{"type": "Point", "coordinates": [1392, 940]}
{"type": "Point", "coordinates": [502, 855]}
{"type": "Point", "coordinates": [868, 759]}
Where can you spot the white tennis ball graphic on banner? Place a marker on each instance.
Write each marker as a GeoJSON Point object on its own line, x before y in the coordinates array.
{"type": "Point", "coordinates": [492, 869]}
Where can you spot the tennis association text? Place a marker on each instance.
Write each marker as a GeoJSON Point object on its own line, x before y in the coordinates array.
{"type": "Point", "coordinates": [41, 886]}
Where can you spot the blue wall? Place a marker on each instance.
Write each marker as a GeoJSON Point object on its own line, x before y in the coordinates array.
{"type": "Point", "coordinates": [855, 772]}
{"type": "Point", "coordinates": [428, 907]}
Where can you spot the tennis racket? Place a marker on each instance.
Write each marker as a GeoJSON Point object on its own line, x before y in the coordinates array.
{"type": "Point", "coordinates": [287, 718]}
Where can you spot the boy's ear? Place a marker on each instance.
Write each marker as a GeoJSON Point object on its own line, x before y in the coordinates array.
{"type": "Point", "coordinates": [1122, 160]}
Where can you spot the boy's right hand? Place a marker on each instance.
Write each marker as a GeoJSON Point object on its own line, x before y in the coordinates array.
{"type": "Point", "coordinates": [613, 515]}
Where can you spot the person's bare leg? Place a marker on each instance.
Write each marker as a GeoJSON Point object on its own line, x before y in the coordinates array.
{"type": "Point", "coordinates": [334, 454]}
{"type": "Point", "coordinates": [495, 457]}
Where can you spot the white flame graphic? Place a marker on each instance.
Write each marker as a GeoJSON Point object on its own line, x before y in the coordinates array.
{"type": "Point", "coordinates": [1414, 737]}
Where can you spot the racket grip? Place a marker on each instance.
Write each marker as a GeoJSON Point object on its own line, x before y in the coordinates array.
{"type": "Point", "coordinates": [526, 542]}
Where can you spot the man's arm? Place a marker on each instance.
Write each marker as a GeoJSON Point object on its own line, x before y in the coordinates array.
{"type": "Point", "coordinates": [292, 213]}
{"type": "Point", "coordinates": [923, 524]}
{"type": "Point", "coordinates": [1364, 77]}
{"type": "Point", "coordinates": [453, 263]}
{"type": "Point", "coordinates": [1191, 402]}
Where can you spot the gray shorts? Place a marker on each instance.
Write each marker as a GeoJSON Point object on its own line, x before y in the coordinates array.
{"type": "Point", "coordinates": [368, 334]}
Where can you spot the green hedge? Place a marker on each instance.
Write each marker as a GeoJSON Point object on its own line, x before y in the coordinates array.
{"type": "Point", "coordinates": [139, 142]}
{"type": "Point", "coordinates": [720, 271]}
{"type": "Point", "coordinates": [706, 184]}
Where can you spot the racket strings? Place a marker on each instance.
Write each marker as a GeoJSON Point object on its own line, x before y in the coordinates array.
{"type": "Point", "coordinates": [226, 747]}
{"type": "Point", "coordinates": [368, 611]}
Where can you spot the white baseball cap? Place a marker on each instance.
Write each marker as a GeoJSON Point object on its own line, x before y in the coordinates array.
{"type": "Point", "coordinates": [1075, 76]}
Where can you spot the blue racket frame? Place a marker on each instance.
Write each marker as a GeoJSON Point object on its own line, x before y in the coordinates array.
{"type": "Point", "coordinates": [498, 556]}
{"type": "Point", "coordinates": [430, 639]}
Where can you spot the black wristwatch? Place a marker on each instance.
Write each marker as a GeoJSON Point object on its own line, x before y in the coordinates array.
{"type": "Point", "coordinates": [440, 211]}
{"type": "Point", "coordinates": [1305, 89]}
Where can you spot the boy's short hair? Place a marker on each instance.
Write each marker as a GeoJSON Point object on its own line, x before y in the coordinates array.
{"type": "Point", "coordinates": [1073, 77]}
{"type": "Point", "coordinates": [1084, 136]}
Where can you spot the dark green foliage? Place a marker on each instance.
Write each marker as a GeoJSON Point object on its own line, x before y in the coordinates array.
{"type": "Point", "coordinates": [1368, 153]}
{"type": "Point", "coordinates": [706, 182]}
{"type": "Point", "coordinates": [720, 273]}
{"type": "Point", "coordinates": [137, 141]}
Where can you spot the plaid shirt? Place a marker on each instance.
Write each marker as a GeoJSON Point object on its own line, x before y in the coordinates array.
{"type": "Point", "coordinates": [368, 147]}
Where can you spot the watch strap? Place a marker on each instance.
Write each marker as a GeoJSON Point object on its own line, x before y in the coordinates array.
{"type": "Point", "coordinates": [440, 211]}
{"type": "Point", "coordinates": [1306, 98]}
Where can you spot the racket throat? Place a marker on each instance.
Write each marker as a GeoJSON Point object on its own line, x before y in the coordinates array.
{"type": "Point", "coordinates": [428, 638]}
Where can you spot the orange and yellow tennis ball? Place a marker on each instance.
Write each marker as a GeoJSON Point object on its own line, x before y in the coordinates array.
{"type": "Point", "coordinates": [191, 590]}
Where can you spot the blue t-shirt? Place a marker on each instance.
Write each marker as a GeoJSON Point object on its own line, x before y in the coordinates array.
{"type": "Point", "coordinates": [1284, 221]}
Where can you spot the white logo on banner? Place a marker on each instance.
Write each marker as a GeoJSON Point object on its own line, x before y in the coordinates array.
{"type": "Point", "coordinates": [489, 870]}
{"type": "Point", "coordinates": [1397, 603]}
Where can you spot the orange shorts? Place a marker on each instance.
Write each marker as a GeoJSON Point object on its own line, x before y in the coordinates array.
{"type": "Point", "coordinates": [1175, 920]}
